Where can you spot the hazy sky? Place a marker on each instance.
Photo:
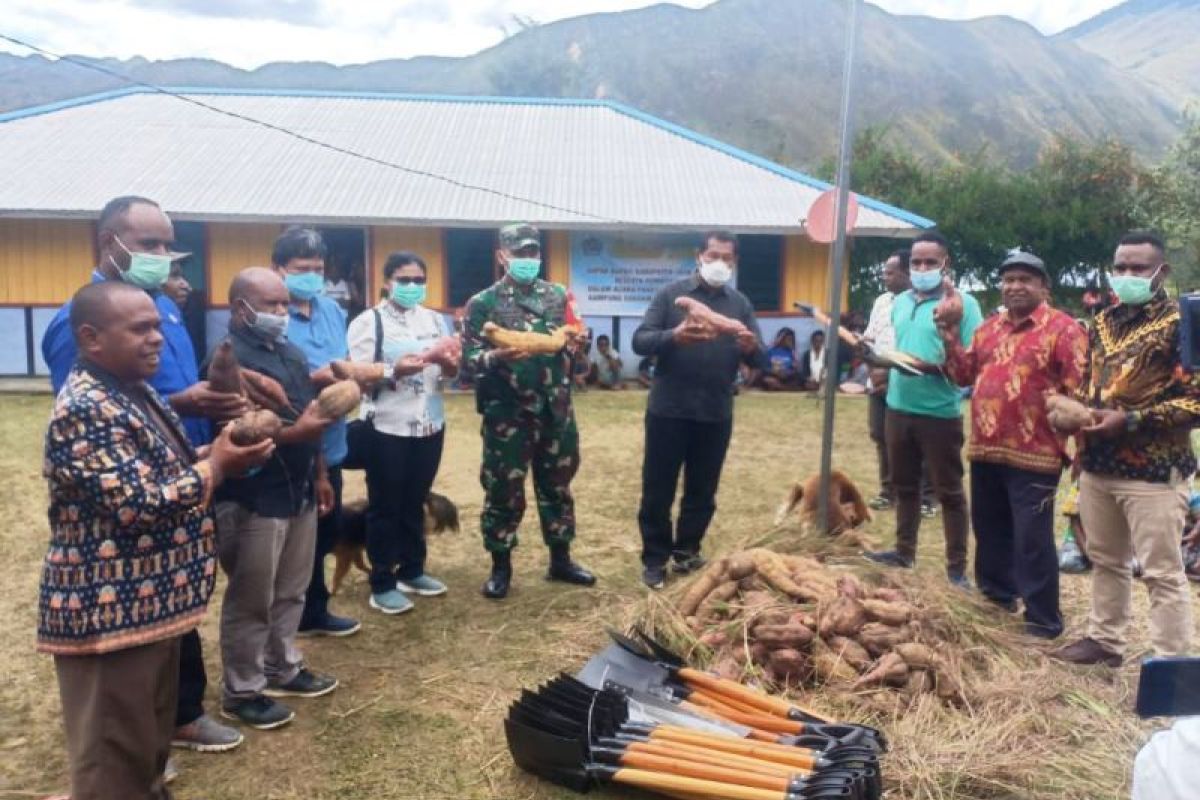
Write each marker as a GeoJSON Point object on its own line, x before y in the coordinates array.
{"type": "Point", "coordinates": [248, 33]}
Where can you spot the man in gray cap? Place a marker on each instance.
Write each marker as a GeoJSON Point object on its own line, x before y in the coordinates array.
{"type": "Point", "coordinates": [528, 419]}
{"type": "Point", "coordinates": [1015, 359]}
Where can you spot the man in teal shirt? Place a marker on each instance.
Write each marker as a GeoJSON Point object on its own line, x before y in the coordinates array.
{"type": "Point", "coordinates": [924, 412]}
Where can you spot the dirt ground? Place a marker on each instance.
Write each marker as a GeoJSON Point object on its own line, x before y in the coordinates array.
{"type": "Point", "coordinates": [422, 696]}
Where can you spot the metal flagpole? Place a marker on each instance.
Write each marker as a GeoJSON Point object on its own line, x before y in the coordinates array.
{"type": "Point", "coordinates": [837, 257]}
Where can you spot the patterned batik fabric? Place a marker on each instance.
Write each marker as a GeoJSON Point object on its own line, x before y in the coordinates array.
{"type": "Point", "coordinates": [131, 557]}
{"type": "Point", "coordinates": [1011, 368]}
{"type": "Point", "coordinates": [1134, 366]}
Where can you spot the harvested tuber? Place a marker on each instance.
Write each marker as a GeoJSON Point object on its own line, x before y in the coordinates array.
{"type": "Point", "coordinates": [265, 391]}
{"type": "Point", "coordinates": [1065, 414]}
{"type": "Point", "coordinates": [365, 374]}
{"type": "Point", "coordinates": [888, 594]}
{"type": "Point", "coordinates": [848, 586]}
{"type": "Point", "coordinates": [843, 617]}
{"type": "Point", "coordinates": [919, 681]}
{"type": "Point", "coordinates": [728, 668]}
{"type": "Point", "coordinates": [339, 399]}
{"type": "Point", "coordinates": [254, 427]}
{"type": "Point", "coordinates": [788, 665]}
{"type": "Point", "coordinates": [919, 655]}
{"type": "Point", "coordinates": [223, 370]}
{"type": "Point", "coordinates": [888, 613]}
{"type": "Point", "coordinates": [714, 639]}
{"type": "Point", "coordinates": [701, 587]}
{"type": "Point", "coordinates": [890, 670]}
{"type": "Point", "coordinates": [879, 638]}
{"type": "Point", "coordinates": [716, 600]}
{"type": "Point", "coordinates": [791, 635]}
{"type": "Point", "coordinates": [850, 651]}
{"type": "Point", "coordinates": [740, 566]}
{"type": "Point", "coordinates": [702, 315]}
{"type": "Point", "coordinates": [773, 571]}
{"type": "Point", "coordinates": [530, 342]}
{"type": "Point", "coordinates": [445, 349]}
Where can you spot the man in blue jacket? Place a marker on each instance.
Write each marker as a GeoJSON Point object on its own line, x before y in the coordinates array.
{"type": "Point", "coordinates": [133, 240]}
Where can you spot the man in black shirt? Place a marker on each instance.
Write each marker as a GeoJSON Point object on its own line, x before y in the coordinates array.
{"type": "Point", "coordinates": [267, 522]}
{"type": "Point", "coordinates": [689, 416]}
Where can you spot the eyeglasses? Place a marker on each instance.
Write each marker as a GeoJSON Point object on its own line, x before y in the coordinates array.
{"type": "Point", "coordinates": [404, 280]}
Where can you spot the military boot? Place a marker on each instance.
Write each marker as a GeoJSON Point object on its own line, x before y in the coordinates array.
{"type": "Point", "coordinates": [562, 568]}
{"type": "Point", "coordinates": [501, 577]}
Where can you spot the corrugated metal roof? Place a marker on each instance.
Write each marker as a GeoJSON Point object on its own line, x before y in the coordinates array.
{"type": "Point", "coordinates": [468, 161]}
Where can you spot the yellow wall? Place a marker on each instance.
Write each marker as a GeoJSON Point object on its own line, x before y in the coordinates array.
{"type": "Point", "coordinates": [428, 243]}
{"type": "Point", "coordinates": [43, 261]}
{"type": "Point", "coordinates": [231, 248]}
{"type": "Point", "coordinates": [806, 273]}
{"type": "Point", "coordinates": [558, 247]}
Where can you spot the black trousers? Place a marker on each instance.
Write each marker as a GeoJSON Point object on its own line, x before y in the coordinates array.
{"type": "Point", "coordinates": [400, 473]}
{"type": "Point", "coordinates": [193, 680]}
{"type": "Point", "coordinates": [698, 448]}
{"type": "Point", "coordinates": [316, 599]}
{"type": "Point", "coordinates": [877, 425]}
{"type": "Point", "coordinates": [1012, 511]}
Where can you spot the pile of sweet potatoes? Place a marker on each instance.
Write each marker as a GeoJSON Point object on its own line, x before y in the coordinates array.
{"type": "Point", "coordinates": [803, 623]}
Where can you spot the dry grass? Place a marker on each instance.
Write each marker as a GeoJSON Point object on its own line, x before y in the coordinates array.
{"type": "Point", "coordinates": [418, 714]}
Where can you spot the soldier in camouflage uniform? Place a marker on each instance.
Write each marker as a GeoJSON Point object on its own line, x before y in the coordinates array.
{"type": "Point", "coordinates": [528, 421]}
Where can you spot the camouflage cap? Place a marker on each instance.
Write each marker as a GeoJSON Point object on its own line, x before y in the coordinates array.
{"type": "Point", "coordinates": [518, 235]}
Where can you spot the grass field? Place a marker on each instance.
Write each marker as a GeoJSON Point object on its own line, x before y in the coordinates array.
{"type": "Point", "coordinates": [422, 697]}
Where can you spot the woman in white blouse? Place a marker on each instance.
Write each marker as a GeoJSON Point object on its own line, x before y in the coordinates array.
{"type": "Point", "coordinates": [406, 428]}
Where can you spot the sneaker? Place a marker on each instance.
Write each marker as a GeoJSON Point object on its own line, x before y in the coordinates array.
{"type": "Point", "coordinates": [1087, 651]}
{"type": "Point", "coordinates": [880, 502]}
{"type": "Point", "coordinates": [259, 712]}
{"type": "Point", "coordinates": [422, 585]}
{"type": "Point", "coordinates": [959, 580]}
{"type": "Point", "coordinates": [170, 771]}
{"type": "Point", "coordinates": [206, 735]}
{"type": "Point", "coordinates": [655, 577]}
{"type": "Point", "coordinates": [685, 563]}
{"type": "Point", "coordinates": [306, 684]}
{"type": "Point", "coordinates": [330, 625]}
{"type": "Point", "coordinates": [928, 510]}
{"type": "Point", "coordinates": [889, 558]}
{"type": "Point", "coordinates": [393, 601]}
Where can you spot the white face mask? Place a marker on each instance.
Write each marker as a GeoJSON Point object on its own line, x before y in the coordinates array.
{"type": "Point", "coordinates": [716, 273]}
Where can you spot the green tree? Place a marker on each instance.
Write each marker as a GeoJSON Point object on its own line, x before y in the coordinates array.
{"type": "Point", "coordinates": [1174, 203]}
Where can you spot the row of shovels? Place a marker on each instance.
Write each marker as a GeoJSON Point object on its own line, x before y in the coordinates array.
{"type": "Point", "coordinates": [685, 734]}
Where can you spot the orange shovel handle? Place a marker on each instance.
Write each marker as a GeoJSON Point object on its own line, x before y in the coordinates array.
{"type": "Point", "coordinates": [660, 782]}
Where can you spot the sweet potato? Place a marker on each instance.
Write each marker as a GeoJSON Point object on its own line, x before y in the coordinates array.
{"type": "Point", "coordinates": [888, 594]}
{"type": "Point", "coordinates": [878, 638]}
{"type": "Point", "coordinates": [848, 586]}
{"type": "Point", "coordinates": [790, 635]}
{"type": "Point", "coordinates": [701, 586]}
{"type": "Point", "coordinates": [759, 653]}
{"type": "Point", "coordinates": [788, 666]}
{"type": "Point", "coordinates": [805, 619]}
{"type": "Point", "coordinates": [716, 599]}
{"type": "Point", "coordinates": [843, 617]}
{"type": "Point", "coordinates": [223, 370]}
{"type": "Point", "coordinates": [888, 613]}
{"type": "Point", "coordinates": [919, 681]}
{"type": "Point", "coordinates": [714, 639]}
{"type": "Point", "coordinates": [740, 566]}
{"type": "Point", "coordinates": [707, 317]}
{"type": "Point", "coordinates": [850, 651]}
{"type": "Point", "coordinates": [727, 667]}
{"type": "Point", "coordinates": [890, 670]}
{"type": "Point", "coordinates": [773, 571]}
{"type": "Point", "coordinates": [918, 655]}
{"type": "Point", "coordinates": [339, 399]}
{"type": "Point", "coordinates": [830, 667]}
{"type": "Point", "coordinates": [364, 374]}
{"type": "Point", "coordinates": [265, 391]}
{"type": "Point", "coordinates": [254, 427]}
{"type": "Point", "coordinates": [1065, 414]}
{"type": "Point", "coordinates": [769, 616]}
{"type": "Point", "coordinates": [444, 349]}
{"type": "Point", "coordinates": [530, 342]}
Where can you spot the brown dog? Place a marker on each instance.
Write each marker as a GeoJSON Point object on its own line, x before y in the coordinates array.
{"type": "Point", "coordinates": [846, 507]}
{"type": "Point", "coordinates": [351, 547]}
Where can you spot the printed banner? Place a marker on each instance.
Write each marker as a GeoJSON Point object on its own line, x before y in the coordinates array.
{"type": "Point", "coordinates": [616, 274]}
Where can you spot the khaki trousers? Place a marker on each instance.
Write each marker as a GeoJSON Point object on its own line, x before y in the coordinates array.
{"type": "Point", "coordinates": [269, 563]}
{"type": "Point", "coordinates": [1124, 519]}
{"type": "Point", "coordinates": [119, 714]}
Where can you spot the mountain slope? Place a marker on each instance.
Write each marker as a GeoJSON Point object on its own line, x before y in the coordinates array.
{"type": "Point", "coordinates": [1156, 39]}
{"type": "Point", "coordinates": [762, 74]}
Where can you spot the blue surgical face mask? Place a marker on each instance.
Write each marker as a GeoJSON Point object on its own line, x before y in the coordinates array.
{"type": "Point", "coordinates": [524, 270]}
{"type": "Point", "coordinates": [408, 295]}
{"type": "Point", "coordinates": [926, 281]}
{"type": "Point", "coordinates": [269, 326]}
{"type": "Point", "coordinates": [1133, 290]}
{"type": "Point", "coordinates": [147, 271]}
{"type": "Point", "coordinates": [304, 286]}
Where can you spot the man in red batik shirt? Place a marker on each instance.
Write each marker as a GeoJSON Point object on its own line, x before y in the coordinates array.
{"type": "Point", "coordinates": [1016, 357]}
